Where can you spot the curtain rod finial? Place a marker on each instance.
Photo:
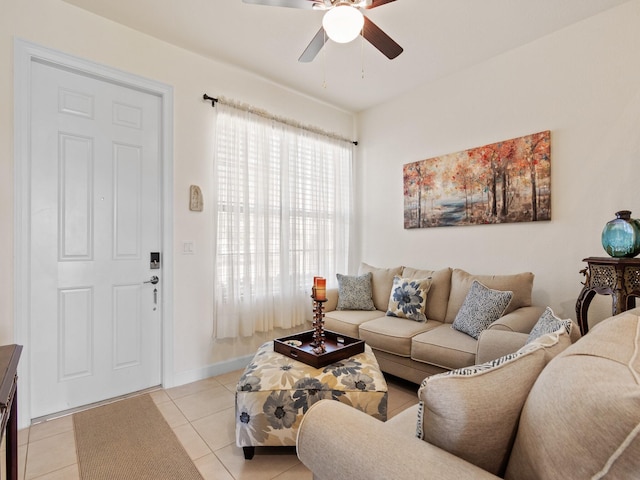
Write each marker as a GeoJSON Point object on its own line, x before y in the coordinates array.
{"type": "Point", "coordinates": [213, 100]}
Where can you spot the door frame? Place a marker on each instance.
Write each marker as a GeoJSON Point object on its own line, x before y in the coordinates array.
{"type": "Point", "coordinates": [25, 53]}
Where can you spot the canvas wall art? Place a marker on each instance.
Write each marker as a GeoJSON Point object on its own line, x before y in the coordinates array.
{"type": "Point", "coordinates": [505, 182]}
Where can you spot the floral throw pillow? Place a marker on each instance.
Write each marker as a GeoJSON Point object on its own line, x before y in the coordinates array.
{"type": "Point", "coordinates": [548, 323]}
{"type": "Point", "coordinates": [408, 298]}
{"type": "Point", "coordinates": [481, 307]}
{"type": "Point", "coordinates": [355, 292]}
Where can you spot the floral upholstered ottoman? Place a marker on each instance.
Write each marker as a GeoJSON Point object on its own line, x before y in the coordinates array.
{"type": "Point", "coordinates": [275, 391]}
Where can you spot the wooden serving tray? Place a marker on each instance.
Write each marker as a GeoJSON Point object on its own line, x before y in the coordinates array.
{"type": "Point", "coordinates": [336, 350]}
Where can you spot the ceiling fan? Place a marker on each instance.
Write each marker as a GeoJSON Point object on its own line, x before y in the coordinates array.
{"type": "Point", "coordinates": [339, 9]}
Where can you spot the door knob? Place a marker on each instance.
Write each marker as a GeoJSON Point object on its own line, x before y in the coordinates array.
{"type": "Point", "coordinates": [153, 280]}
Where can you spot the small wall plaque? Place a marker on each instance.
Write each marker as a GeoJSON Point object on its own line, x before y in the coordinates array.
{"type": "Point", "coordinates": [195, 199]}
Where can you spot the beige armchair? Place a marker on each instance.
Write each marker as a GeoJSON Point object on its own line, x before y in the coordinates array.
{"type": "Point", "coordinates": [544, 412]}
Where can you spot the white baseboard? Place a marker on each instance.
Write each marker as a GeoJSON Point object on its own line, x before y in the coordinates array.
{"type": "Point", "coordinates": [182, 378]}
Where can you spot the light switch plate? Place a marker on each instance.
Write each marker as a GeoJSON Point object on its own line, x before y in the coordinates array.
{"type": "Point", "coordinates": [188, 248]}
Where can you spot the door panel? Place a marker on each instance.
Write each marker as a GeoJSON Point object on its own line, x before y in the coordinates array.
{"type": "Point", "coordinates": [95, 216]}
{"type": "Point", "coordinates": [75, 321]}
{"type": "Point", "coordinates": [126, 302]}
{"type": "Point", "coordinates": [76, 194]}
{"type": "Point", "coordinates": [127, 177]}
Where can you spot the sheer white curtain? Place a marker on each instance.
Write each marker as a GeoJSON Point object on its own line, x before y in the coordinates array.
{"type": "Point", "coordinates": [282, 216]}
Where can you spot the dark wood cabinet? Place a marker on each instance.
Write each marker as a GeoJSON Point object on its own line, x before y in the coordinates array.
{"type": "Point", "coordinates": [9, 357]}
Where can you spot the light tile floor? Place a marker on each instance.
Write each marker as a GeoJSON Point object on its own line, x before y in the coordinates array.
{"type": "Point", "coordinates": [202, 416]}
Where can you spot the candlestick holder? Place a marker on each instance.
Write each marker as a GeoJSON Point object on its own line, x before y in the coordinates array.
{"type": "Point", "coordinates": [318, 326]}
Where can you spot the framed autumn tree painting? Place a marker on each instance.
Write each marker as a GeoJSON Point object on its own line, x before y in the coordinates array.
{"type": "Point", "coordinates": [505, 182]}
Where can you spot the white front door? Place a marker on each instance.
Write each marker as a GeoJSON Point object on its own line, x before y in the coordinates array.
{"type": "Point", "coordinates": [95, 218]}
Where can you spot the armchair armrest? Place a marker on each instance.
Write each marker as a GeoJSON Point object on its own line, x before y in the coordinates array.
{"type": "Point", "coordinates": [520, 320]}
{"type": "Point", "coordinates": [338, 441]}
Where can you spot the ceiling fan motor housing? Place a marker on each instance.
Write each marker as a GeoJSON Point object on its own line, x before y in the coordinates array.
{"type": "Point", "coordinates": [327, 4]}
{"type": "Point", "coordinates": [343, 23]}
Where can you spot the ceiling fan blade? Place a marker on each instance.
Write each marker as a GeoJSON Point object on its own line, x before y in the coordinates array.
{"type": "Point", "coordinates": [377, 3]}
{"type": "Point", "coordinates": [383, 42]}
{"type": "Point", "coordinates": [305, 4]}
{"type": "Point", "coordinates": [314, 47]}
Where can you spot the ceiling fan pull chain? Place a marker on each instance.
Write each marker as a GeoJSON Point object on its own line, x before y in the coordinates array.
{"type": "Point", "coordinates": [362, 52]}
{"type": "Point", "coordinates": [324, 64]}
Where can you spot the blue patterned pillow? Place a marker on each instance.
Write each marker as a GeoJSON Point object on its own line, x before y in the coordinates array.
{"type": "Point", "coordinates": [548, 323]}
{"type": "Point", "coordinates": [355, 292]}
{"type": "Point", "coordinates": [481, 307]}
{"type": "Point", "coordinates": [409, 298]}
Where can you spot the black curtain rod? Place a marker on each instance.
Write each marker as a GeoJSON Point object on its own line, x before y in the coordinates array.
{"type": "Point", "coordinates": [215, 100]}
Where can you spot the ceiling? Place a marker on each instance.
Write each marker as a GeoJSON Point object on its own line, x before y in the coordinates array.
{"type": "Point", "coordinates": [439, 37]}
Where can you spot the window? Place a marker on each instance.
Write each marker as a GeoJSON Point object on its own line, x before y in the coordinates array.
{"type": "Point", "coordinates": [282, 216]}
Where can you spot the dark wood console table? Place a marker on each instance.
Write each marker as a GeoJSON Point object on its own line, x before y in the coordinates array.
{"type": "Point", "coordinates": [618, 277]}
{"type": "Point", "coordinates": [9, 356]}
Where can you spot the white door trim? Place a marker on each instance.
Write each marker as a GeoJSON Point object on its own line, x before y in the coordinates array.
{"type": "Point", "coordinates": [25, 53]}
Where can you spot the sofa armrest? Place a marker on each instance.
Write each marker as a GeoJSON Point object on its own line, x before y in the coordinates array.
{"type": "Point", "coordinates": [332, 300]}
{"type": "Point", "coordinates": [494, 344]}
{"type": "Point", "coordinates": [338, 441]}
{"type": "Point", "coordinates": [329, 306]}
{"type": "Point", "coordinates": [521, 320]}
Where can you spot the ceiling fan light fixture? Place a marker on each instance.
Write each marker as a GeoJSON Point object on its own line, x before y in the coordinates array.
{"type": "Point", "coordinates": [343, 23]}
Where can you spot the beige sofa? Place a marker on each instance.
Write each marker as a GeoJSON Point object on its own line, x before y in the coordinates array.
{"type": "Point", "coordinates": [413, 350]}
{"type": "Point", "coordinates": [540, 415]}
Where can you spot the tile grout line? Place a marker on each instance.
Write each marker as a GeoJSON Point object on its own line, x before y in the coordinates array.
{"type": "Point", "coordinates": [211, 451]}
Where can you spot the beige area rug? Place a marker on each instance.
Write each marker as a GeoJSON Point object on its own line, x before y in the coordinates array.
{"type": "Point", "coordinates": [129, 440]}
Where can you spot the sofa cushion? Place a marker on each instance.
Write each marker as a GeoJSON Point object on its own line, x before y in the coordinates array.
{"type": "Point", "coordinates": [381, 282]}
{"type": "Point", "coordinates": [354, 292]}
{"type": "Point", "coordinates": [590, 396]}
{"type": "Point", "coordinates": [473, 412]}
{"type": "Point", "coordinates": [405, 367]}
{"type": "Point", "coordinates": [393, 334]}
{"type": "Point", "coordinates": [547, 323]}
{"type": "Point", "coordinates": [520, 284]}
{"type": "Point", "coordinates": [481, 307]}
{"type": "Point", "coordinates": [436, 307]}
{"type": "Point", "coordinates": [408, 298]}
{"type": "Point", "coordinates": [348, 322]}
{"type": "Point", "coordinates": [444, 347]}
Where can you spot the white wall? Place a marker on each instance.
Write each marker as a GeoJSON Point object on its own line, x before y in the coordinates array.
{"type": "Point", "coordinates": [60, 26]}
{"type": "Point", "coordinates": [583, 84]}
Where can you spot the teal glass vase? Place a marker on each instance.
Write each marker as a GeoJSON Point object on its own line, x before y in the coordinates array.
{"type": "Point", "coordinates": [621, 236]}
